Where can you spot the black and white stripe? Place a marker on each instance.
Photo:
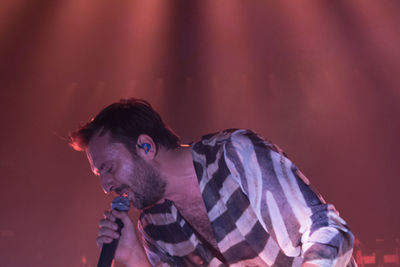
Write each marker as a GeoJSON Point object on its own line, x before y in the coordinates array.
{"type": "Point", "coordinates": [261, 208]}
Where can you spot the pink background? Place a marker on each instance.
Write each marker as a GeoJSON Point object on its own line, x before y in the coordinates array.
{"type": "Point", "coordinates": [318, 78]}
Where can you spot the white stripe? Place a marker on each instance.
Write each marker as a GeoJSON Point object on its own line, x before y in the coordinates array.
{"type": "Point", "coordinates": [323, 235]}
{"type": "Point", "coordinates": [209, 172]}
{"type": "Point", "coordinates": [246, 221]}
{"type": "Point", "coordinates": [159, 219]}
{"type": "Point", "coordinates": [174, 212]}
{"type": "Point", "coordinates": [226, 191]}
{"type": "Point", "coordinates": [180, 249]}
{"type": "Point", "coordinates": [229, 186]}
{"type": "Point", "coordinates": [297, 262]}
{"type": "Point", "coordinates": [230, 240]}
{"type": "Point", "coordinates": [344, 259]}
{"type": "Point", "coordinates": [279, 227]}
{"type": "Point", "coordinates": [216, 211]}
{"type": "Point", "coordinates": [291, 190]}
{"type": "Point", "coordinates": [270, 252]}
{"type": "Point", "coordinates": [200, 159]}
{"type": "Point", "coordinates": [248, 158]}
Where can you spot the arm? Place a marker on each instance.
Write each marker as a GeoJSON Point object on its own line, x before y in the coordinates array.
{"type": "Point", "coordinates": [292, 213]}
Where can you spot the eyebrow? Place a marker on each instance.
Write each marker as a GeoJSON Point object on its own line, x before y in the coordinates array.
{"type": "Point", "coordinates": [97, 171]}
{"type": "Point", "coordinates": [102, 166]}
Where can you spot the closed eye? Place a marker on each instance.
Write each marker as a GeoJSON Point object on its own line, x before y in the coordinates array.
{"type": "Point", "coordinates": [110, 169]}
{"type": "Point", "coordinates": [106, 167]}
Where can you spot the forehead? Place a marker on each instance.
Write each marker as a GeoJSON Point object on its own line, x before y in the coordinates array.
{"type": "Point", "coordinates": [101, 149]}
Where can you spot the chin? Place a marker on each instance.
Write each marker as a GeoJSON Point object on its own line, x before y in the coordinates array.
{"type": "Point", "coordinates": [137, 204]}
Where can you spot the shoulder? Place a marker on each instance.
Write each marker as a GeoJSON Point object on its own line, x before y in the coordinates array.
{"type": "Point", "coordinates": [229, 135]}
{"type": "Point", "coordinates": [233, 141]}
{"type": "Point", "coordinates": [245, 141]}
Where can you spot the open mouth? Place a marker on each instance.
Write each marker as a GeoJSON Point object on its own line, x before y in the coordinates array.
{"type": "Point", "coordinates": [122, 190]}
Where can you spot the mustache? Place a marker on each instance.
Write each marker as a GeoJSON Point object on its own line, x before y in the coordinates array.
{"type": "Point", "coordinates": [121, 189]}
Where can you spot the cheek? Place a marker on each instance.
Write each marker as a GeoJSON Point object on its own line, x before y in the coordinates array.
{"type": "Point", "coordinates": [125, 172]}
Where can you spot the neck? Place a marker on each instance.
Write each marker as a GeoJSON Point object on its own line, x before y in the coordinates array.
{"type": "Point", "coordinates": [176, 166]}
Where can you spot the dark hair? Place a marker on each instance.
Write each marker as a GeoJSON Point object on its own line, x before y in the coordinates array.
{"type": "Point", "coordinates": [125, 121]}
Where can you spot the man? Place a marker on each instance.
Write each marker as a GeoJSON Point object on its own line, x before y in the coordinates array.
{"type": "Point", "coordinates": [232, 199]}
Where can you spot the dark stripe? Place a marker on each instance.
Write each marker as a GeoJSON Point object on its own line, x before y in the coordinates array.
{"type": "Point", "coordinates": [238, 252]}
{"type": "Point", "coordinates": [342, 240]}
{"type": "Point", "coordinates": [170, 233]}
{"type": "Point", "coordinates": [211, 190]}
{"type": "Point", "coordinates": [161, 208]}
{"type": "Point", "coordinates": [222, 226]}
{"type": "Point", "coordinates": [211, 153]}
{"type": "Point", "coordinates": [230, 130]}
{"type": "Point", "coordinates": [257, 237]}
{"type": "Point", "coordinates": [320, 251]}
{"type": "Point", "coordinates": [164, 257]}
{"type": "Point", "coordinates": [319, 217]}
{"type": "Point", "coordinates": [204, 253]}
{"type": "Point", "coordinates": [337, 240]}
{"type": "Point", "coordinates": [271, 183]}
{"type": "Point", "coordinates": [311, 196]}
{"type": "Point", "coordinates": [256, 139]}
{"type": "Point", "coordinates": [187, 229]}
{"type": "Point", "coordinates": [348, 242]}
{"type": "Point", "coordinates": [209, 136]}
{"type": "Point", "coordinates": [237, 204]}
{"type": "Point", "coordinates": [199, 148]}
{"type": "Point", "coordinates": [319, 210]}
{"type": "Point", "coordinates": [231, 153]}
{"type": "Point", "coordinates": [199, 170]}
{"type": "Point", "coordinates": [282, 260]}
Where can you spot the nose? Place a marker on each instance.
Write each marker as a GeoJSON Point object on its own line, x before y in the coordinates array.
{"type": "Point", "coordinates": [106, 183]}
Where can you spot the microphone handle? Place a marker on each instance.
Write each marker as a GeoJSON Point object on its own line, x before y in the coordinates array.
{"type": "Point", "coordinates": [108, 250]}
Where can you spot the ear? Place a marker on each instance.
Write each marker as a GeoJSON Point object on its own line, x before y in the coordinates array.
{"type": "Point", "coordinates": [145, 147]}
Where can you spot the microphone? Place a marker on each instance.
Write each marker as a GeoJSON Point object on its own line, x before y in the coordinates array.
{"type": "Point", "coordinates": [108, 251]}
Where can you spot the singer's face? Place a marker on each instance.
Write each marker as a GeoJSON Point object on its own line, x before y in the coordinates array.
{"type": "Point", "coordinates": [123, 172]}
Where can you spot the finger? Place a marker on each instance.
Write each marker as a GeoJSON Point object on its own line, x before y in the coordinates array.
{"type": "Point", "coordinates": [108, 233]}
{"type": "Point", "coordinates": [103, 240]}
{"type": "Point", "coordinates": [123, 216]}
{"type": "Point", "coordinates": [105, 223]}
{"type": "Point", "coordinates": [108, 215]}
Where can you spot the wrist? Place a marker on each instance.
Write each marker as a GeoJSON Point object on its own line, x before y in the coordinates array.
{"type": "Point", "coordinates": [138, 258]}
{"type": "Point", "coordinates": [136, 261]}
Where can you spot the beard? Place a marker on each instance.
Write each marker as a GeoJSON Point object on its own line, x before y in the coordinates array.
{"type": "Point", "coordinates": [147, 185]}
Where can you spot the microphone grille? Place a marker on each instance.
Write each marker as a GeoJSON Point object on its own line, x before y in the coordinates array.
{"type": "Point", "coordinates": [120, 203]}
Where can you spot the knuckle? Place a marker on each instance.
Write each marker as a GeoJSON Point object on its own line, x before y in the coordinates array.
{"type": "Point", "coordinates": [104, 222]}
{"type": "Point", "coordinates": [107, 232]}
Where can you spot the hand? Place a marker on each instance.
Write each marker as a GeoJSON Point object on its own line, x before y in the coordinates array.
{"type": "Point", "coordinates": [129, 248]}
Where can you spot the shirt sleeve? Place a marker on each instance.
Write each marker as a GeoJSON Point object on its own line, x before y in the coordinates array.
{"type": "Point", "coordinates": [288, 208]}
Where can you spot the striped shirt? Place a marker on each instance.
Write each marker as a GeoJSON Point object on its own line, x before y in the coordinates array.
{"type": "Point", "coordinates": [262, 210]}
